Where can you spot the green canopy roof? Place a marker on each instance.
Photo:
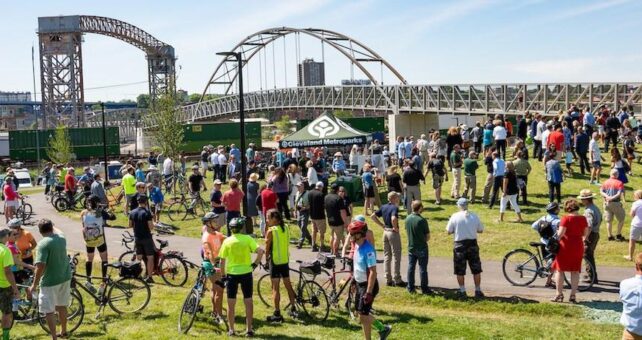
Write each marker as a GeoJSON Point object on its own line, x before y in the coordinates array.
{"type": "Point", "coordinates": [325, 130]}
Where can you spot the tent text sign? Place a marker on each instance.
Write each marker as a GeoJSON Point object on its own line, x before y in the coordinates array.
{"type": "Point", "coordinates": [326, 130]}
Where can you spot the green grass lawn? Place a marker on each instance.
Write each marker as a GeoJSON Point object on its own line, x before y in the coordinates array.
{"type": "Point", "coordinates": [413, 317]}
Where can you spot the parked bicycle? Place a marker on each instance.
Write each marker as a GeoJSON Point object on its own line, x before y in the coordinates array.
{"type": "Point", "coordinates": [79, 201]}
{"type": "Point", "coordinates": [170, 265]}
{"type": "Point", "coordinates": [335, 287]}
{"type": "Point", "coordinates": [179, 210]}
{"type": "Point", "coordinates": [521, 267]}
{"type": "Point", "coordinates": [264, 284]}
{"type": "Point", "coordinates": [176, 183]}
{"type": "Point", "coordinates": [25, 210]}
{"type": "Point", "coordinates": [192, 305]}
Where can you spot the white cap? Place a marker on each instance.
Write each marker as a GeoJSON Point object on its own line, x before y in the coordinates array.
{"type": "Point", "coordinates": [319, 185]}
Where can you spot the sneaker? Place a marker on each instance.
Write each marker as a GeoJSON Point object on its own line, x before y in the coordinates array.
{"type": "Point", "coordinates": [276, 317]}
{"type": "Point", "coordinates": [461, 295]}
{"type": "Point", "coordinates": [401, 284]}
{"type": "Point", "coordinates": [620, 238]}
{"type": "Point", "coordinates": [149, 280]}
{"type": "Point", "coordinates": [479, 294]}
{"type": "Point", "coordinates": [611, 238]}
{"type": "Point", "coordinates": [427, 291]}
{"type": "Point", "coordinates": [293, 313]}
{"type": "Point", "coordinates": [299, 245]}
{"type": "Point", "coordinates": [249, 334]}
{"type": "Point", "coordinates": [315, 249]}
{"type": "Point", "coordinates": [383, 334]}
{"type": "Point", "coordinates": [390, 283]}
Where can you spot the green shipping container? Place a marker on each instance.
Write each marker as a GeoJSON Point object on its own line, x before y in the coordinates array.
{"type": "Point", "coordinates": [365, 124]}
{"type": "Point", "coordinates": [198, 135]}
{"type": "Point", "coordinates": [85, 142]}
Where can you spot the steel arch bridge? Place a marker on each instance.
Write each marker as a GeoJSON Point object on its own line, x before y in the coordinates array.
{"type": "Point", "coordinates": [61, 76]}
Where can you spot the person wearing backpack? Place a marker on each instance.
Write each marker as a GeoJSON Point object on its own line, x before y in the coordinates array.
{"type": "Point", "coordinates": [437, 165]}
{"type": "Point", "coordinates": [547, 226]}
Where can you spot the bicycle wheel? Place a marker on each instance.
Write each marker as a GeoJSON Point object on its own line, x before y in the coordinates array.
{"type": "Point", "coordinates": [75, 314]}
{"type": "Point", "coordinates": [587, 277]}
{"type": "Point", "coordinates": [127, 256]}
{"type": "Point", "coordinates": [61, 204]}
{"type": "Point", "coordinates": [313, 300]}
{"type": "Point", "coordinates": [349, 305]}
{"type": "Point", "coordinates": [173, 270]}
{"type": "Point", "coordinates": [188, 312]}
{"type": "Point", "coordinates": [264, 289]}
{"type": "Point", "coordinates": [177, 211]}
{"type": "Point", "coordinates": [128, 295]}
{"type": "Point", "coordinates": [520, 267]}
{"type": "Point", "coordinates": [200, 208]}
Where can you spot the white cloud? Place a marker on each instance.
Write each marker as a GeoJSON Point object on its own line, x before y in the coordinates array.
{"type": "Point", "coordinates": [588, 8]}
{"type": "Point", "coordinates": [558, 68]}
{"type": "Point", "coordinates": [451, 12]}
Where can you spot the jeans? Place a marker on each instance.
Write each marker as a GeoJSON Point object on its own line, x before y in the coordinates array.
{"type": "Point", "coordinates": [222, 172]}
{"type": "Point", "coordinates": [487, 186]}
{"type": "Point", "coordinates": [554, 190]}
{"type": "Point", "coordinates": [392, 250]}
{"type": "Point", "coordinates": [584, 163]}
{"type": "Point", "coordinates": [216, 169]}
{"type": "Point", "coordinates": [497, 184]}
{"type": "Point", "coordinates": [610, 137]}
{"type": "Point", "coordinates": [302, 221]}
{"type": "Point", "coordinates": [478, 146]}
{"type": "Point", "coordinates": [537, 149]}
{"type": "Point", "coordinates": [282, 204]}
{"type": "Point", "coordinates": [523, 191]}
{"type": "Point", "coordinates": [501, 147]}
{"type": "Point", "coordinates": [420, 256]}
{"type": "Point", "coordinates": [413, 192]}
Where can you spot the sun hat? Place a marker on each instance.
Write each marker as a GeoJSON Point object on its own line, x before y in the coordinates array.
{"type": "Point", "coordinates": [586, 194]}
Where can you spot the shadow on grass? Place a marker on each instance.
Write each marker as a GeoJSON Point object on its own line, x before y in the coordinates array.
{"type": "Point", "coordinates": [603, 305]}
{"type": "Point", "coordinates": [157, 315]}
{"type": "Point", "coordinates": [451, 294]}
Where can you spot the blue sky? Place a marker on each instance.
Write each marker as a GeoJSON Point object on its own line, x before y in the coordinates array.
{"type": "Point", "coordinates": [429, 42]}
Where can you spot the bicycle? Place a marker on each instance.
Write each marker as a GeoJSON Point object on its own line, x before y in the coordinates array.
{"type": "Point", "coordinates": [179, 210]}
{"type": "Point", "coordinates": [79, 201]}
{"type": "Point", "coordinates": [170, 265]}
{"type": "Point", "coordinates": [192, 304]}
{"type": "Point", "coordinates": [264, 284]}
{"type": "Point", "coordinates": [334, 296]}
{"type": "Point", "coordinates": [25, 210]}
{"type": "Point", "coordinates": [526, 267]}
{"type": "Point", "coordinates": [170, 183]}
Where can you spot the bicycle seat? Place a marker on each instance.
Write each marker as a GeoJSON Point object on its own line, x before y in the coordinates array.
{"type": "Point", "coordinates": [162, 243]}
{"type": "Point", "coordinates": [536, 244]}
{"type": "Point", "coordinates": [115, 265]}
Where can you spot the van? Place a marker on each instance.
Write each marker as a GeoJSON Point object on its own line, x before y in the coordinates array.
{"type": "Point", "coordinates": [24, 178]}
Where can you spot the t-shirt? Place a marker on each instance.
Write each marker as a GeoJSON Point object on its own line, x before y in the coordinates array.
{"type": "Point", "coordinates": [488, 161]}
{"type": "Point", "coordinates": [387, 211]}
{"type": "Point", "coordinates": [237, 251]}
{"type": "Point", "coordinates": [364, 258]}
{"type": "Point", "coordinates": [268, 200]}
{"type": "Point", "coordinates": [216, 197]}
{"type": "Point", "coordinates": [394, 182]}
{"type": "Point", "coordinates": [140, 175]}
{"type": "Point", "coordinates": [556, 138]}
{"type": "Point", "coordinates": [470, 166]}
{"type": "Point", "coordinates": [232, 200]}
{"type": "Point", "coordinates": [488, 137]}
{"type": "Point", "coordinates": [317, 207]}
{"type": "Point", "coordinates": [612, 186]}
{"type": "Point", "coordinates": [416, 229]}
{"type": "Point", "coordinates": [6, 258]}
{"type": "Point", "coordinates": [594, 149]}
{"type": "Point", "coordinates": [499, 133]}
{"type": "Point", "coordinates": [195, 182]}
{"type": "Point", "coordinates": [156, 195]}
{"type": "Point", "coordinates": [368, 179]}
{"type": "Point", "coordinates": [129, 184]}
{"type": "Point", "coordinates": [214, 240]}
{"type": "Point", "coordinates": [168, 166]}
{"type": "Point", "coordinates": [52, 251]}
{"type": "Point", "coordinates": [70, 182]}
{"type": "Point", "coordinates": [333, 205]}
{"type": "Point", "coordinates": [594, 217]}
{"type": "Point", "coordinates": [93, 229]}
{"type": "Point", "coordinates": [455, 159]}
{"type": "Point", "coordinates": [499, 167]}
{"type": "Point", "coordinates": [636, 222]}
{"type": "Point", "coordinates": [436, 166]}
{"type": "Point", "coordinates": [140, 217]}
{"type": "Point", "coordinates": [465, 225]}
{"type": "Point", "coordinates": [154, 177]}
{"type": "Point", "coordinates": [24, 244]}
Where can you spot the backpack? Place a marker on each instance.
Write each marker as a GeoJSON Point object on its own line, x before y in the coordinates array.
{"type": "Point", "coordinates": [545, 229]}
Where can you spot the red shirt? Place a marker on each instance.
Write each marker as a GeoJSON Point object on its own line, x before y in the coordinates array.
{"type": "Point", "coordinates": [557, 138]}
{"type": "Point", "coordinates": [232, 199]}
{"type": "Point", "coordinates": [9, 193]}
{"type": "Point", "coordinates": [70, 182]}
{"type": "Point", "coordinates": [268, 200]}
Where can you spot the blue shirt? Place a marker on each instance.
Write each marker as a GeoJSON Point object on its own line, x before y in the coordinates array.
{"type": "Point", "coordinates": [488, 137]}
{"type": "Point", "coordinates": [623, 116]}
{"type": "Point", "coordinates": [365, 257]}
{"type": "Point", "coordinates": [499, 167]}
{"type": "Point", "coordinates": [280, 158]}
{"type": "Point", "coordinates": [140, 175]}
{"type": "Point", "coordinates": [368, 179]}
{"type": "Point", "coordinates": [387, 211]}
{"type": "Point", "coordinates": [249, 154]}
{"type": "Point", "coordinates": [533, 131]}
{"type": "Point", "coordinates": [156, 195]}
{"type": "Point", "coordinates": [236, 153]}
{"type": "Point", "coordinates": [567, 136]}
{"type": "Point", "coordinates": [338, 165]}
{"type": "Point", "coordinates": [630, 295]}
{"type": "Point", "coordinates": [589, 119]}
{"type": "Point", "coordinates": [408, 148]}
{"type": "Point", "coordinates": [554, 172]}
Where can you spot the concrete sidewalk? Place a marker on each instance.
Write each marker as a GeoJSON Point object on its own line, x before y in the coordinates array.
{"type": "Point", "coordinates": [440, 270]}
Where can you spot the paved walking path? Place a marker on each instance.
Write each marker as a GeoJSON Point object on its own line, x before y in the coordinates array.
{"type": "Point", "coordinates": [440, 269]}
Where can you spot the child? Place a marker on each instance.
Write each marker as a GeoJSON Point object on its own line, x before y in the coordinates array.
{"type": "Point", "coordinates": [157, 198]}
{"type": "Point", "coordinates": [569, 163]}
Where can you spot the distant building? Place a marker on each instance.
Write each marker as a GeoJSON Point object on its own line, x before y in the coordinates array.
{"type": "Point", "coordinates": [311, 73]}
{"type": "Point", "coordinates": [13, 114]}
{"type": "Point", "coordinates": [360, 82]}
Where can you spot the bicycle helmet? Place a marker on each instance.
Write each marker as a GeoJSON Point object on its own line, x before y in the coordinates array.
{"type": "Point", "coordinates": [237, 223]}
{"type": "Point", "coordinates": [552, 207]}
{"type": "Point", "coordinates": [360, 218]}
{"type": "Point", "coordinates": [209, 216]}
{"type": "Point", "coordinates": [14, 223]}
{"type": "Point", "coordinates": [356, 227]}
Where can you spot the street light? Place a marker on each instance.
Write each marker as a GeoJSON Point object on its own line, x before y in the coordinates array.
{"type": "Point", "coordinates": [102, 110]}
{"type": "Point", "coordinates": [239, 60]}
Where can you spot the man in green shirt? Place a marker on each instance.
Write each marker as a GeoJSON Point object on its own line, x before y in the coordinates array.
{"type": "Point", "coordinates": [236, 267]}
{"type": "Point", "coordinates": [129, 186]}
{"type": "Point", "coordinates": [470, 177]}
{"type": "Point", "coordinates": [8, 288]}
{"type": "Point", "coordinates": [52, 266]}
{"type": "Point", "coordinates": [522, 170]}
{"type": "Point", "coordinates": [418, 236]}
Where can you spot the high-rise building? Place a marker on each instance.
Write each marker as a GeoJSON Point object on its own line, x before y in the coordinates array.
{"type": "Point", "coordinates": [13, 114]}
{"type": "Point", "coordinates": [311, 73]}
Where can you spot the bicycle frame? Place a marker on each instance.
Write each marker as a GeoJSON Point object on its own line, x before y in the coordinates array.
{"type": "Point", "coordinates": [332, 281]}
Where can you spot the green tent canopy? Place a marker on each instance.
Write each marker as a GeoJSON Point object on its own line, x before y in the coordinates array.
{"type": "Point", "coordinates": [325, 130]}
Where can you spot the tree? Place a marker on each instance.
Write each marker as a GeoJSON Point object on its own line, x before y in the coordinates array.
{"type": "Point", "coordinates": [194, 97]}
{"type": "Point", "coordinates": [343, 114]}
{"type": "Point", "coordinates": [142, 101]}
{"type": "Point", "coordinates": [284, 125]}
{"type": "Point", "coordinates": [165, 126]}
{"type": "Point", "coordinates": [60, 151]}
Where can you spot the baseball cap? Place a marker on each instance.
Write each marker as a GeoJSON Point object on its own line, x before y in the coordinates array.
{"type": "Point", "coordinates": [319, 185]}
{"type": "Point", "coordinates": [218, 181]}
{"type": "Point", "coordinates": [462, 202]}
{"type": "Point", "coordinates": [334, 186]}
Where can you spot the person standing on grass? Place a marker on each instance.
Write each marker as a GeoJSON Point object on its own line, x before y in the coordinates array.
{"type": "Point", "coordinates": [302, 206]}
{"type": "Point", "coordinates": [196, 182]}
{"type": "Point", "coordinates": [93, 220]}
{"type": "Point", "coordinates": [437, 166]}
{"type": "Point", "coordinates": [510, 190]}
{"type": "Point", "coordinates": [317, 215]}
{"type": "Point", "coordinates": [522, 170]}
{"type": "Point", "coordinates": [389, 212]}
{"type": "Point", "coordinates": [212, 240]}
{"type": "Point", "coordinates": [269, 200]}
{"type": "Point", "coordinates": [456, 163]}
{"type": "Point", "coordinates": [594, 219]}
{"type": "Point", "coordinates": [140, 173]}
{"type": "Point", "coordinates": [554, 177]}
{"type": "Point", "coordinates": [237, 266]}
{"type": "Point", "coordinates": [8, 288]}
{"type": "Point", "coordinates": [369, 188]}
{"type": "Point", "coordinates": [612, 191]}
{"type": "Point", "coordinates": [129, 187]}
{"type": "Point", "coordinates": [252, 193]}
{"type": "Point", "coordinates": [631, 317]}
{"type": "Point", "coordinates": [582, 146]}
{"type": "Point", "coordinates": [611, 128]}
{"type": "Point", "coordinates": [53, 276]}
{"type": "Point", "coordinates": [365, 276]}
{"type": "Point", "coordinates": [499, 170]}
{"type": "Point", "coordinates": [97, 189]}
{"type": "Point", "coordinates": [277, 242]}
{"type": "Point", "coordinates": [418, 236]}
{"type": "Point", "coordinates": [222, 165]}
{"type": "Point", "coordinates": [214, 163]}
{"type": "Point", "coordinates": [490, 180]}
{"type": "Point", "coordinates": [205, 155]}
{"type": "Point", "coordinates": [337, 217]}
{"type": "Point", "coordinates": [595, 157]}
{"type": "Point", "coordinates": [470, 173]}
{"type": "Point", "coordinates": [499, 135]}
{"type": "Point", "coordinates": [636, 223]}
{"type": "Point", "coordinates": [232, 200]}
{"type": "Point", "coordinates": [410, 179]}
{"type": "Point", "coordinates": [140, 219]}
{"type": "Point", "coordinates": [465, 226]}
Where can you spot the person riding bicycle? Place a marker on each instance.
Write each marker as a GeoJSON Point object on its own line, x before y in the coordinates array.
{"type": "Point", "coordinates": [365, 275]}
{"type": "Point", "coordinates": [93, 230]}
{"type": "Point", "coordinates": [237, 267]}
{"type": "Point", "coordinates": [547, 226]}
{"type": "Point", "coordinates": [86, 179]}
{"type": "Point", "coordinates": [277, 242]}
{"type": "Point", "coordinates": [70, 186]}
{"type": "Point", "coordinates": [212, 240]}
{"type": "Point", "coordinates": [196, 182]}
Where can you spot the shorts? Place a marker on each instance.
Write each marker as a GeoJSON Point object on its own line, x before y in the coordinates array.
{"type": "Point", "coordinates": [157, 207]}
{"type": "Point", "coordinates": [613, 209]}
{"type": "Point", "coordinates": [101, 248]}
{"type": "Point", "coordinates": [245, 280]}
{"type": "Point", "coordinates": [278, 271]}
{"type": "Point", "coordinates": [145, 247]}
{"type": "Point", "coordinates": [204, 165]}
{"type": "Point", "coordinates": [11, 204]}
{"type": "Point", "coordinates": [437, 181]}
{"type": "Point", "coordinates": [54, 296]}
{"type": "Point", "coordinates": [597, 165]}
{"type": "Point", "coordinates": [6, 300]}
{"type": "Point", "coordinates": [636, 234]}
{"type": "Point", "coordinates": [466, 251]}
{"type": "Point", "coordinates": [362, 308]}
{"type": "Point", "coordinates": [339, 231]}
{"type": "Point", "coordinates": [370, 192]}
{"type": "Point", "coordinates": [128, 198]}
{"type": "Point", "coordinates": [319, 225]}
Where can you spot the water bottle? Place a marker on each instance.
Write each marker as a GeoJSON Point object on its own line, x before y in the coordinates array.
{"type": "Point", "coordinates": [342, 283]}
{"type": "Point", "coordinates": [15, 306]}
{"type": "Point", "coordinates": [101, 290]}
{"type": "Point", "coordinates": [90, 287]}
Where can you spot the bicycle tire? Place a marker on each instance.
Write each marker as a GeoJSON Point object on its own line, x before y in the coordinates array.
{"type": "Point", "coordinates": [200, 209]}
{"type": "Point", "coordinates": [514, 263]}
{"type": "Point", "coordinates": [349, 304]}
{"type": "Point", "coordinates": [170, 269]}
{"type": "Point", "coordinates": [264, 286]}
{"type": "Point", "coordinates": [74, 319]}
{"type": "Point", "coordinates": [127, 256]}
{"type": "Point", "coordinates": [177, 211]}
{"type": "Point", "coordinates": [188, 311]}
{"type": "Point", "coordinates": [125, 289]}
{"type": "Point", "coordinates": [28, 211]}
{"type": "Point", "coordinates": [585, 283]}
{"type": "Point", "coordinates": [314, 301]}
{"type": "Point", "coordinates": [61, 204]}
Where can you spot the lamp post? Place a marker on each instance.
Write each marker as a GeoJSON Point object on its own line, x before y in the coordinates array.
{"type": "Point", "coordinates": [239, 60]}
{"type": "Point", "coordinates": [102, 111]}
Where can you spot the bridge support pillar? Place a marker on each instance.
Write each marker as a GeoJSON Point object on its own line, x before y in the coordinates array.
{"type": "Point", "coordinates": [410, 125]}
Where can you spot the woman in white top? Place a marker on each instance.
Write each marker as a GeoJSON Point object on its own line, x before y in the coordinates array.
{"type": "Point", "coordinates": [294, 177]}
{"type": "Point", "coordinates": [636, 223]}
{"type": "Point", "coordinates": [353, 158]}
{"type": "Point", "coordinates": [312, 174]}
{"type": "Point", "coordinates": [499, 135]}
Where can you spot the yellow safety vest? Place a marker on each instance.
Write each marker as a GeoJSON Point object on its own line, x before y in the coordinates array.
{"type": "Point", "coordinates": [280, 244]}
